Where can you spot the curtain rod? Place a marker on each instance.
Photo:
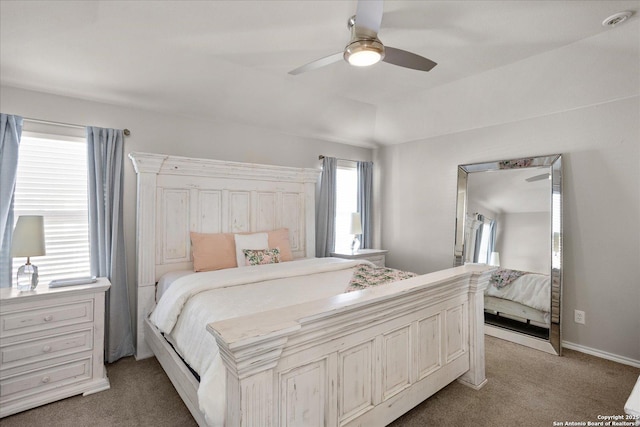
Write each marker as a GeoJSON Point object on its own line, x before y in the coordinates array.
{"type": "Point", "coordinates": [126, 132]}
{"type": "Point", "coordinates": [320, 157]}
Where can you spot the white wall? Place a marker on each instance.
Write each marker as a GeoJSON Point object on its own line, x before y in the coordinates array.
{"type": "Point", "coordinates": [524, 242]}
{"type": "Point", "coordinates": [601, 158]}
{"type": "Point", "coordinates": [182, 136]}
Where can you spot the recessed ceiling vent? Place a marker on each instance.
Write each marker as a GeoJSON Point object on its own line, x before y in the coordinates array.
{"type": "Point", "coordinates": [616, 19]}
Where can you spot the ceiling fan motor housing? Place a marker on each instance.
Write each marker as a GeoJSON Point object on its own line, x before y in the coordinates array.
{"type": "Point", "coordinates": [364, 52]}
{"type": "Point", "coordinates": [364, 48]}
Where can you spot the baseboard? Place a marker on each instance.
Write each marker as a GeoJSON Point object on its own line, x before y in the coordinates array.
{"type": "Point", "coordinates": [601, 354]}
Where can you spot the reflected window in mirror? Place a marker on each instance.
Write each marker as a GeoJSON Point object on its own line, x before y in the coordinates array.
{"type": "Point", "coordinates": [481, 238]}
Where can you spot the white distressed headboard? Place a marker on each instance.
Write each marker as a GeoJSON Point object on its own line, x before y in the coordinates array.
{"type": "Point", "coordinates": [177, 195]}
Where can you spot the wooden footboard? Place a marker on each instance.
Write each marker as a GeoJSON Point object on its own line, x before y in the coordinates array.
{"type": "Point", "coordinates": [357, 359]}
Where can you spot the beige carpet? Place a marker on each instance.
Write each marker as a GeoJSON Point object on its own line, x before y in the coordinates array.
{"type": "Point", "coordinates": [526, 388]}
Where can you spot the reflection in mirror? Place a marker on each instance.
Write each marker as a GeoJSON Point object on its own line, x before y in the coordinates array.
{"type": "Point", "coordinates": [509, 216]}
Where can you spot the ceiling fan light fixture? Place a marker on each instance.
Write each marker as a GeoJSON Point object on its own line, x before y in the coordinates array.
{"type": "Point", "coordinates": [363, 53]}
{"type": "Point", "coordinates": [365, 48]}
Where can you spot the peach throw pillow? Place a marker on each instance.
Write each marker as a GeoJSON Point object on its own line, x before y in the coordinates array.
{"type": "Point", "coordinates": [213, 251]}
{"type": "Point", "coordinates": [280, 239]}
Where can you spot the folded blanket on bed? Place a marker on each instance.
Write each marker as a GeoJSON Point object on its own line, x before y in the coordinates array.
{"type": "Point", "coordinates": [530, 289]}
{"type": "Point", "coordinates": [503, 277]}
{"type": "Point", "coordinates": [367, 276]}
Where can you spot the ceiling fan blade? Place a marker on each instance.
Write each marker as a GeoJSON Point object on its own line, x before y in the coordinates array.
{"type": "Point", "coordinates": [369, 14]}
{"type": "Point", "coordinates": [407, 59]}
{"type": "Point", "coordinates": [318, 63]}
{"type": "Point", "coordinates": [538, 177]}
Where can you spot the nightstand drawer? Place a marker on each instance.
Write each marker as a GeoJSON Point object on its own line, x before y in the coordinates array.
{"type": "Point", "coordinates": [45, 379]}
{"type": "Point", "coordinates": [22, 322]}
{"type": "Point", "coordinates": [49, 347]}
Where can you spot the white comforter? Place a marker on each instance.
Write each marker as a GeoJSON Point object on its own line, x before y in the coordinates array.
{"type": "Point", "coordinates": [533, 290]}
{"type": "Point", "coordinates": [195, 300]}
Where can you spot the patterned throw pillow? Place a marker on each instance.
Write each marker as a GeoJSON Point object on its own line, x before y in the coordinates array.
{"type": "Point", "coordinates": [261, 256]}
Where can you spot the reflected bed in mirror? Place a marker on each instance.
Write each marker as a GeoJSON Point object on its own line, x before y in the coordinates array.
{"type": "Point", "coordinates": [509, 214]}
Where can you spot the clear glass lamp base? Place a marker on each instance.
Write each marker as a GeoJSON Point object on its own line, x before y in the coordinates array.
{"type": "Point", "coordinates": [27, 278]}
{"type": "Point", "coordinates": [355, 245]}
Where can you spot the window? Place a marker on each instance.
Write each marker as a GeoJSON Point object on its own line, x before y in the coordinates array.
{"type": "Point", "coordinates": [52, 182]}
{"type": "Point", "coordinates": [483, 255]}
{"type": "Point", "coordinates": [346, 203]}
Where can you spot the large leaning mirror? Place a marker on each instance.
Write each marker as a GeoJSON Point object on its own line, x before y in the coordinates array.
{"type": "Point", "coordinates": [509, 215]}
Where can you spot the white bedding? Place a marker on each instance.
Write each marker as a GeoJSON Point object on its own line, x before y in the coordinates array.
{"type": "Point", "coordinates": [195, 300]}
{"type": "Point", "coordinates": [167, 280]}
{"type": "Point", "coordinates": [533, 290]}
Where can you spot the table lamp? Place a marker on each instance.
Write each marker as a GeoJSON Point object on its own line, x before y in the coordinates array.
{"type": "Point", "coordinates": [355, 228]}
{"type": "Point", "coordinates": [28, 240]}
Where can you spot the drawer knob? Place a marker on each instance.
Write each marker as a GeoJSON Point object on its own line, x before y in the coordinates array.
{"type": "Point", "coordinates": [46, 379]}
{"type": "Point", "coordinates": [48, 318]}
{"type": "Point", "coordinates": [46, 348]}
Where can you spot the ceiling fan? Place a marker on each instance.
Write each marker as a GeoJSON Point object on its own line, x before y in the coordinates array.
{"type": "Point", "coordinates": [365, 48]}
{"type": "Point", "coordinates": [538, 177]}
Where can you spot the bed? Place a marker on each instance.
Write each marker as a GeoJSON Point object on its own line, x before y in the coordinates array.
{"type": "Point", "coordinates": [330, 358]}
{"type": "Point", "coordinates": [520, 296]}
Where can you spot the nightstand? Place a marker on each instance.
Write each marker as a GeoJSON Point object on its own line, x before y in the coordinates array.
{"type": "Point", "coordinates": [376, 256]}
{"type": "Point", "coordinates": [51, 344]}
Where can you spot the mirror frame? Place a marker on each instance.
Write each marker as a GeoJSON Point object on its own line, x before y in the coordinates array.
{"type": "Point", "coordinates": [554, 162]}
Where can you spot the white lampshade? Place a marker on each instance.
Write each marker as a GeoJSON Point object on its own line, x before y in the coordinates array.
{"type": "Point", "coordinates": [28, 237]}
{"type": "Point", "coordinates": [356, 226]}
{"type": "Point", "coordinates": [494, 259]}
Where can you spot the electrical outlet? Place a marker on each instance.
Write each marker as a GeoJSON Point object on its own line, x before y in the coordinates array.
{"type": "Point", "coordinates": [578, 316]}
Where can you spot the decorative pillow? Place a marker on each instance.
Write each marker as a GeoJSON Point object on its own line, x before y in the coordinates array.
{"type": "Point", "coordinates": [261, 256]}
{"type": "Point", "coordinates": [213, 251]}
{"type": "Point", "coordinates": [249, 241]}
{"type": "Point", "coordinates": [280, 239]}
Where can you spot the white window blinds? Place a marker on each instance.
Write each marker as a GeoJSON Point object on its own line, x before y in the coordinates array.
{"type": "Point", "coordinates": [52, 182]}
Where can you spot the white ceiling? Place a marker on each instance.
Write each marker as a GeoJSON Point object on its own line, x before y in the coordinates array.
{"type": "Point", "coordinates": [229, 59]}
{"type": "Point", "coordinates": [508, 191]}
